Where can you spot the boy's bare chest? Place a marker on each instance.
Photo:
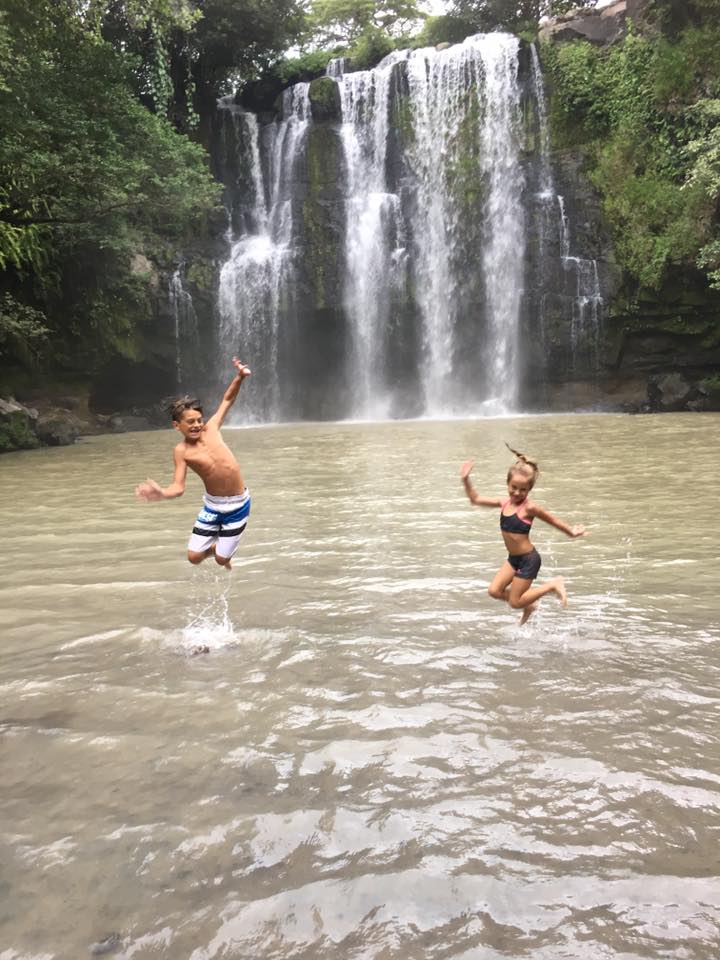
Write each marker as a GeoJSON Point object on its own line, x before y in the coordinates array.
{"type": "Point", "coordinates": [207, 455]}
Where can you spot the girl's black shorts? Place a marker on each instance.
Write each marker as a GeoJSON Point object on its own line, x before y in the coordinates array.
{"type": "Point", "coordinates": [526, 565]}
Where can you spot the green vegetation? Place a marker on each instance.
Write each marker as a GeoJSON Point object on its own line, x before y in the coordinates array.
{"type": "Point", "coordinates": [347, 21]}
{"type": "Point", "coordinates": [647, 114]}
{"type": "Point", "coordinates": [97, 98]}
{"type": "Point", "coordinates": [518, 16]}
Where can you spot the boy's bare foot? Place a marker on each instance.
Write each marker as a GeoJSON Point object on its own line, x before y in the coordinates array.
{"type": "Point", "coordinates": [561, 591]}
{"type": "Point", "coordinates": [527, 613]}
{"type": "Point", "coordinates": [201, 648]}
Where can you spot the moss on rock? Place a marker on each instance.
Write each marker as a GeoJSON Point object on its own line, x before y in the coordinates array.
{"type": "Point", "coordinates": [324, 96]}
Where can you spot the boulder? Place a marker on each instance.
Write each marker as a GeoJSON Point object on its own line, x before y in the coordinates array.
{"type": "Point", "coordinates": [58, 428]}
{"type": "Point", "coordinates": [324, 94]}
{"type": "Point", "coordinates": [601, 26]}
{"type": "Point", "coordinates": [17, 426]}
{"type": "Point", "coordinates": [670, 391]}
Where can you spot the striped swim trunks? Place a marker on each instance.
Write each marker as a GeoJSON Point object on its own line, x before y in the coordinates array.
{"type": "Point", "coordinates": [222, 522]}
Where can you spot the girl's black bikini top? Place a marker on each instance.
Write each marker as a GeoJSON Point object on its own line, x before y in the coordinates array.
{"type": "Point", "coordinates": [514, 523]}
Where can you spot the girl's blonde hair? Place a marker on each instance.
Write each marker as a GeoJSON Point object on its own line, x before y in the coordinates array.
{"type": "Point", "coordinates": [523, 464]}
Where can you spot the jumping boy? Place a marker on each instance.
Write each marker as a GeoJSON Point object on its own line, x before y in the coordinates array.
{"type": "Point", "coordinates": [221, 522]}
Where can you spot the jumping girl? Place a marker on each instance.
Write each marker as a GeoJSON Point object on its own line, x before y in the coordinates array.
{"type": "Point", "coordinates": [513, 580]}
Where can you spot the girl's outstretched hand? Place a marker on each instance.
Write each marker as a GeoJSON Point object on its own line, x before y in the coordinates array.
{"type": "Point", "coordinates": [466, 469]}
{"type": "Point", "coordinates": [578, 531]}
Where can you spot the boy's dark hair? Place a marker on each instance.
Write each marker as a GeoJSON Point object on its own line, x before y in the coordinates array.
{"type": "Point", "coordinates": [176, 406]}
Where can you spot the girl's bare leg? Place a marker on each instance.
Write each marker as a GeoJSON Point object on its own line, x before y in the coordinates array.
{"type": "Point", "coordinates": [523, 595]}
{"type": "Point", "coordinates": [499, 587]}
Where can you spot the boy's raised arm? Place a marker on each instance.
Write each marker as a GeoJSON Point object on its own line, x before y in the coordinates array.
{"type": "Point", "coordinates": [230, 394]}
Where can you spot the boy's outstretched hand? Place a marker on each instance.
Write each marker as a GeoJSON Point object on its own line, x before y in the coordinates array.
{"type": "Point", "coordinates": [150, 491]}
{"type": "Point", "coordinates": [242, 370]}
{"type": "Point", "coordinates": [466, 469]}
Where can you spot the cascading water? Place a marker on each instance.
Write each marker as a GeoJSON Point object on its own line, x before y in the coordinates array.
{"type": "Point", "coordinates": [374, 235]}
{"type": "Point", "coordinates": [587, 300]}
{"type": "Point", "coordinates": [462, 105]}
{"type": "Point", "coordinates": [378, 262]}
{"type": "Point", "coordinates": [256, 280]}
{"type": "Point", "coordinates": [184, 320]}
{"type": "Point", "coordinates": [581, 283]}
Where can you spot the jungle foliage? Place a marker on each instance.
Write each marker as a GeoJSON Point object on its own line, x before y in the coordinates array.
{"type": "Point", "coordinates": [513, 15]}
{"type": "Point", "coordinates": [96, 167]}
{"type": "Point", "coordinates": [646, 111]}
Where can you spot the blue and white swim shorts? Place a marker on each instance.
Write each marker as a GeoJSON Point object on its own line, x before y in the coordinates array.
{"type": "Point", "coordinates": [222, 522]}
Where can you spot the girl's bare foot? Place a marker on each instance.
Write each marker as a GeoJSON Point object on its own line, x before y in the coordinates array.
{"type": "Point", "coordinates": [527, 613]}
{"type": "Point", "coordinates": [561, 591]}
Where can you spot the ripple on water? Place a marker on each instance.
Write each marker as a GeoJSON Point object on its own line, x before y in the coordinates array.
{"type": "Point", "coordinates": [374, 761]}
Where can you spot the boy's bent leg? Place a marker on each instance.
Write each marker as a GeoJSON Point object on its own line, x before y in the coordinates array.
{"type": "Point", "coordinates": [203, 538]}
{"type": "Point", "coordinates": [196, 557]}
{"type": "Point", "coordinates": [232, 527]}
{"type": "Point", "coordinates": [227, 543]}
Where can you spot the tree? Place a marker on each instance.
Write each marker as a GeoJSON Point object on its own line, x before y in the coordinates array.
{"type": "Point", "coordinates": [88, 177]}
{"type": "Point", "coordinates": [509, 14]}
{"type": "Point", "coordinates": [77, 147]}
{"type": "Point", "coordinates": [346, 21]}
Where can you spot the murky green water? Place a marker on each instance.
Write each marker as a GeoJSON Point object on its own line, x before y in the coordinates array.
{"type": "Point", "coordinates": [373, 761]}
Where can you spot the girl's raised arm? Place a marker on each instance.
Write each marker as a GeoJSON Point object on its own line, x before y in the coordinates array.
{"type": "Point", "coordinates": [473, 496]}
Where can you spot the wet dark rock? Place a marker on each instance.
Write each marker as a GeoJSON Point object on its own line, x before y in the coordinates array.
{"type": "Point", "coordinates": [673, 391]}
{"type": "Point", "coordinates": [58, 428]}
{"type": "Point", "coordinates": [325, 103]}
{"type": "Point", "coordinates": [601, 26]}
{"type": "Point", "coordinates": [17, 426]}
{"type": "Point", "coordinates": [259, 95]}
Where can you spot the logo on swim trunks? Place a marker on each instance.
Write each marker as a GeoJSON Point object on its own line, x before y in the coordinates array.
{"type": "Point", "coordinates": [207, 517]}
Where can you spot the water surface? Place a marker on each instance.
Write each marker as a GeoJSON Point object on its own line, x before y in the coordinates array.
{"type": "Point", "coordinates": [374, 760]}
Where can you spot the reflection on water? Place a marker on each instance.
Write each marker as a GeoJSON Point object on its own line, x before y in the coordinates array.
{"type": "Point", "coordinates": [373, 761]}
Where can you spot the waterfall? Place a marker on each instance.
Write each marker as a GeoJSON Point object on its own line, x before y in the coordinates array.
{"type": "Point", "coordinates": [374, 235]}
{"type": "Point", "coordinates": [581, 283]}
{"type": "Point", "coordinates": [504, 252]}
{"type": "Point", "coordinates": [463, 108]}
{"type": "Point", "coordinates": [377, 262]}
{"type": "Point", "coordinates": [587, 300]}
{"type": "Point", "coordinates": [184, 320]}
{"type": "Point", "coordinates": [257, 277]}
{"type": "Point", "coordinates": [336, 67]}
